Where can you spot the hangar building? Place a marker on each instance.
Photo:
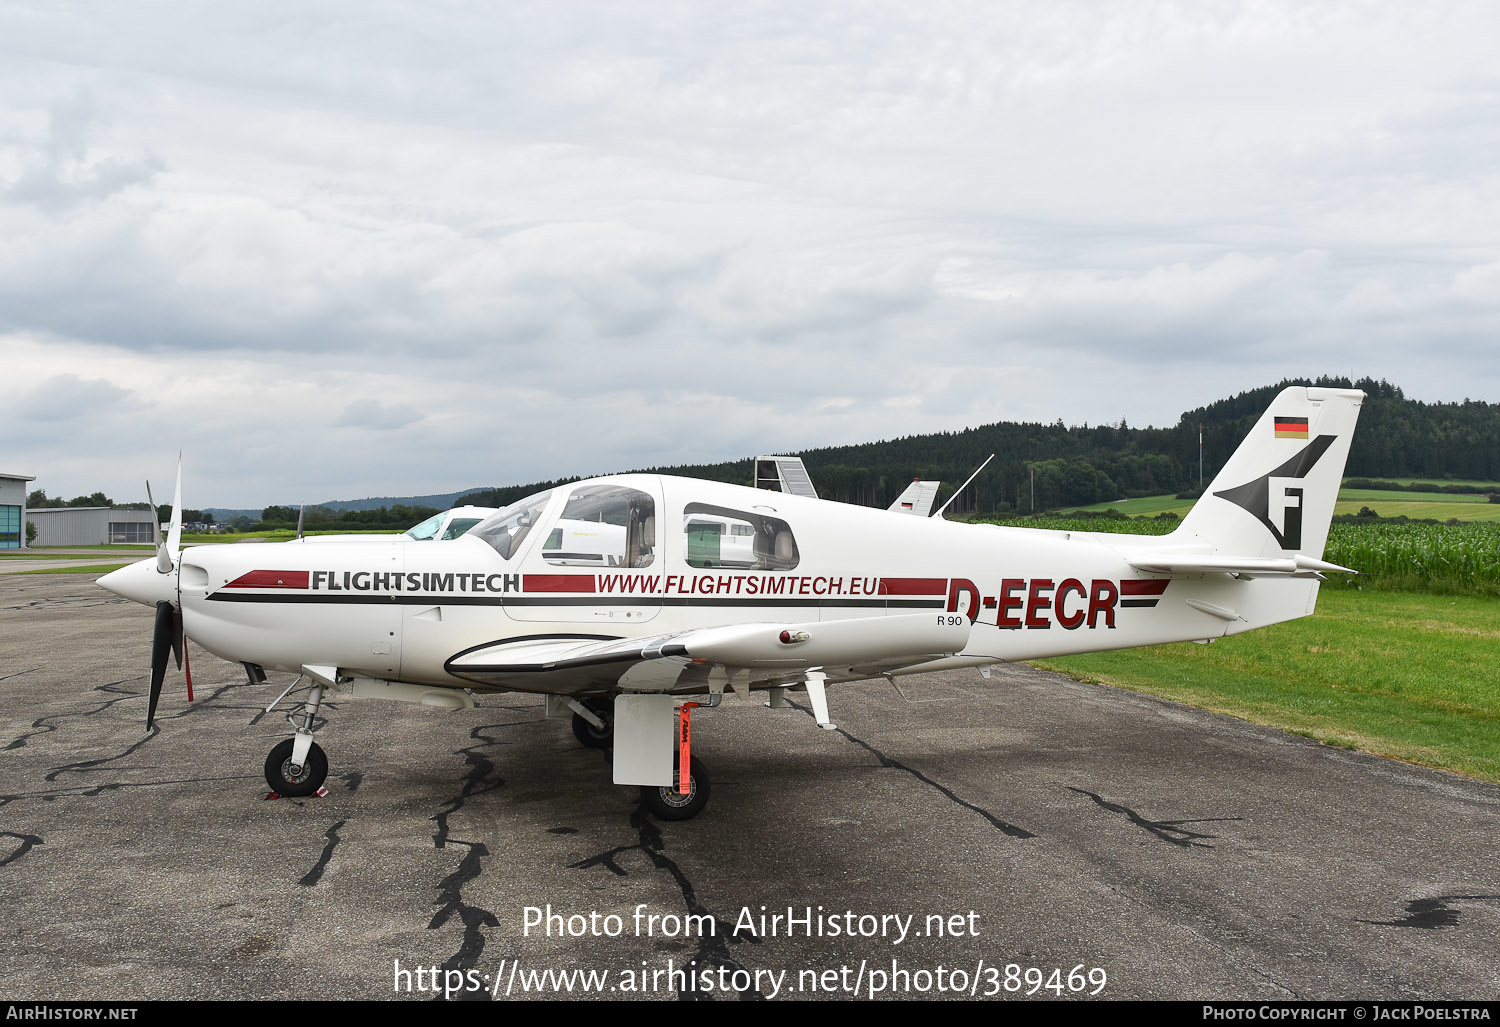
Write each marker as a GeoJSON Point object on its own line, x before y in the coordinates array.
{"type": "Point", "coordinates": [89, 525]}
{"type": "Point", "coordinates": [13, 510]}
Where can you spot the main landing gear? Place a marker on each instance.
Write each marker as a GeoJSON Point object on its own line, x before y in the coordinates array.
{"type": "Point", "coordinates": [297, 766]}
{"type": "Point", "coordinates": [636, 728]}
{"type": "Point", "coordinates": [671, 804]}
{"type": "Point", "coordinates": [590, 734]}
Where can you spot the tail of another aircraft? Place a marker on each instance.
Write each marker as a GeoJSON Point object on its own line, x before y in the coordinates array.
{"type": "Point", "coordinates": [917, 499]}
{"type": "Point", "coordinates": [1275, 496]}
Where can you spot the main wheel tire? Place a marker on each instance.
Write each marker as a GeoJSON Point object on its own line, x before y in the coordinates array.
{"type": "Point", "coordinates": [285, 778]}
{"type": "Point", "coordinates": [590, 736]}
{"type": "Point", "coordinates": [670, 804]}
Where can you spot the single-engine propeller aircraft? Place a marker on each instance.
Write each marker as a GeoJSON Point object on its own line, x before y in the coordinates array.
{"type": "Point", "coordinates": [440, 527]}
{"type": "Point", "coordinates": [691, 589]}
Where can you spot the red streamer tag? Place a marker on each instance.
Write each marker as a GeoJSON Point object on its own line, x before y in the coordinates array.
{"type": "Point", "coordinates": [187, 666]}
{"type": "Point", "coordinates": [685, 749]}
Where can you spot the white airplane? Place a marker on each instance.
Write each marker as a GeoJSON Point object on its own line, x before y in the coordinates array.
{"type": "Point", "coordinates": [656, 619]}
{"type": "Point", "coordinates": [440, 527]}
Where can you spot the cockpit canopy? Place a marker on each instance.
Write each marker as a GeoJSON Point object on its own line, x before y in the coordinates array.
{"type": "Point", "coordinates": [608, 524]}
{"type": "Point", "coordinates": [449, 524]}
{"type": "Point", "coordinates": [506, 529]}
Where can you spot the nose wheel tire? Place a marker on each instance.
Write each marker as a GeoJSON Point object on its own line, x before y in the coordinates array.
{"type": "Point", "coordinates": [670, 804]}
{"type": "Point", "coordinates": [590, 736]}
{"type": "Point", "coordinates": [286, 778]}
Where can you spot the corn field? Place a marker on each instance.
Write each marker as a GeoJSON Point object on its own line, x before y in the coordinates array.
{"type": "Point", "coordinates": [1463, 558]}
{"type": "Point", "coordinates": [1420, 557]}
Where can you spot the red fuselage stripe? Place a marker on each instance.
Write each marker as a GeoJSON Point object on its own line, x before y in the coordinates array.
{"type": "Point", "coordinates": [270, 579]}
{"type": "Point", "coordinates": [558, 583]}
{"type": "Point", "coordinates": [913, 586]}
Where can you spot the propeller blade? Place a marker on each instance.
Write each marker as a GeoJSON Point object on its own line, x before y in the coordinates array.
{"type": "Point", "coordinates": [161, 645]}
{"type": "Point", "coordinates": [155, 518]}
{"type": "Point", "coordinates": [300, 511]}
{"type": "Point", "coordinates": [179, 635]}
{"type": "Point", "coordinates": [174, 530]}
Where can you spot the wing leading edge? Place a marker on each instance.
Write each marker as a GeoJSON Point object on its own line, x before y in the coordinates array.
{"type": "Point", "coordinates": [762, 652]}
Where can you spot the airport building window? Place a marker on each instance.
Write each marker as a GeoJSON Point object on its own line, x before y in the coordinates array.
{"type": "Point", "coordinates": [10, 527]}
{"type": "Point", "coordinates": [717, 536]}
{"type": "Point", "coordinates": [604, 526]}
{"type": "Point", "coordinates": [129, 532]}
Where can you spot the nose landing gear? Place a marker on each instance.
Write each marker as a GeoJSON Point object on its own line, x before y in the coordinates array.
{"type": "Point", "coordinates": [297, 766]}
{"type": "Point", "coordinates": [288, 777]}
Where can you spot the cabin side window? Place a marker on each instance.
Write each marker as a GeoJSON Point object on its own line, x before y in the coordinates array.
{"type": "Point", "coordinates": [718, 536]}
{"type": "Point", "coordinates": [604, 526]}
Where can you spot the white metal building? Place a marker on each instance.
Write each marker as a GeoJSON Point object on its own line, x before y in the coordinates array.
{"type": "Point", "coordinates": [89, 525]}
{"type": "Point", "coordinates": [13, 510]}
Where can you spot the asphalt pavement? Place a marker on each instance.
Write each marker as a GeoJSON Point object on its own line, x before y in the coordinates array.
{"type": "Point", "coordinates": [968, 837]}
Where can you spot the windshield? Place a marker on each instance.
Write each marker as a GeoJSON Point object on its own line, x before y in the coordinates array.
{"type": "Point", "coordinates": [427, 529]}
{"type": "Point", "coordinates": [506, 530]}
{"type": "Point", "coordinates": [459, 525]}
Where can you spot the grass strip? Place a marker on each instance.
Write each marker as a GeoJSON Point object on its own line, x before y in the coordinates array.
{"type": "Point", "coordinates": [1399, 674]}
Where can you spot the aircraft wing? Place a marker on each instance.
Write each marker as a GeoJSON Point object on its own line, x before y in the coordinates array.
{"type": "Point", "coordinates": [1183, 564]}
{"type": "Point", "coordinates": [762, 651]}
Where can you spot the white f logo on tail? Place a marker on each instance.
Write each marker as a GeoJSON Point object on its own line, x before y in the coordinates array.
{"type": "Point", "coordinates": [1275, 498]}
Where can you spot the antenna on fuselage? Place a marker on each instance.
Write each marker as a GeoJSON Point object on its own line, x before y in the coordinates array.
{"type": "Point", "coordinates": [964, 485]}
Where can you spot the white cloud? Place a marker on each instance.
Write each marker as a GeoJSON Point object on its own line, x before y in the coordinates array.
{"type": "Point", "coordinates": [68, 397]}
{"type": "Point", "coordinates": [568, 238]}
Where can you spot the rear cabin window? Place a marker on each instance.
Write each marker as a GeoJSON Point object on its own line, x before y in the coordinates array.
{"type": "Point", "coordinates": [718, 536]}
{"type": "Point", "coordinates": [604, 526]}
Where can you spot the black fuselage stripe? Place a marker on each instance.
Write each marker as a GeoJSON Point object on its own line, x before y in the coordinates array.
{"type": "Point", "coordinates": [590, 600]}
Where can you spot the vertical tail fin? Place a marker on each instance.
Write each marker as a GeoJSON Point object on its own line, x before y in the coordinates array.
{"type": "Point", "coordinates": [1275, 496]}
{"type": "Point", "coordinates": [917, 499]}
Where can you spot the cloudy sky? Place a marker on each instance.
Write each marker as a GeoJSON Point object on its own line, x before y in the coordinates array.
{"type": "Point", "coordinates": [333, 250]}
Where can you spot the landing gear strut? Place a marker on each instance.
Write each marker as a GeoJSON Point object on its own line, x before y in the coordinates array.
{"type": "Point", "coordinates": [596, 737]}
{"type": "Point", "coordinates": [297, 766]}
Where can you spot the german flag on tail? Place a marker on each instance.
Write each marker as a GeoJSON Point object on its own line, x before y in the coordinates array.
{"type": "Point", "coordinates": [1291, 427]}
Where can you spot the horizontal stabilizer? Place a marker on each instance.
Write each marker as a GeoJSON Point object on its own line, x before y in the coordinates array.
{"type": "Point", "coordinates": [1243, 566]}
